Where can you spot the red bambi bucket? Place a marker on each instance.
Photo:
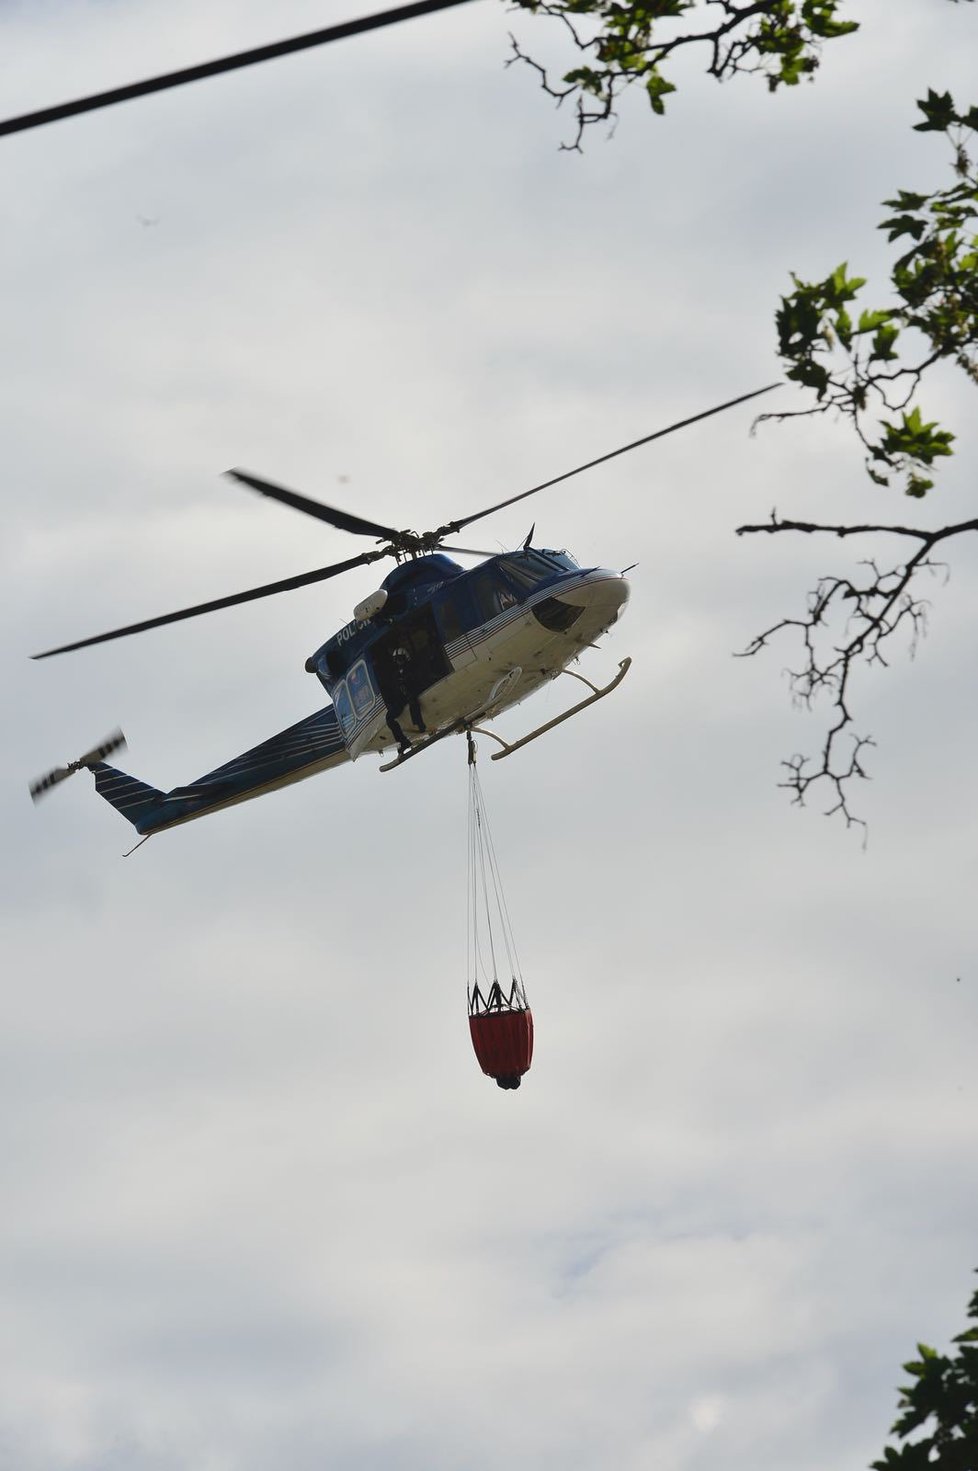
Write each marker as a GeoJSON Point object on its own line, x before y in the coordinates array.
{"type": "Point", "coordinates": [503, 1042]}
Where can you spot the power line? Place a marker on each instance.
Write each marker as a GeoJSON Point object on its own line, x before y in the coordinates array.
{"type": "Point", "coordinates": [224, 64]}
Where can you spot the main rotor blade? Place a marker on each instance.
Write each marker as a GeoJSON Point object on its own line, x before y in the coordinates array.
{"type": "Point", "coordinates": [453, 526]}
{"type": "Point", "coordinates": [345, 520]}
{"type": "Point", "coordinates": [286, 585]}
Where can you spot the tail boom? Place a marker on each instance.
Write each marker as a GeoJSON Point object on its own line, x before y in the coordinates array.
{"type": "Point", "coordinates": [313, 745]}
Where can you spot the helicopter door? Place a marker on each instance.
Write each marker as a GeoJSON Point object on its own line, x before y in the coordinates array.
{"type": "Point", "coordinates": [360, 709]}
{"type": "Point", "coordinates": [407, 660]}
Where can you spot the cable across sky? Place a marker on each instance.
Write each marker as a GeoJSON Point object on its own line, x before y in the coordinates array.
{"type": "Point", "coordinates": [240, 59]}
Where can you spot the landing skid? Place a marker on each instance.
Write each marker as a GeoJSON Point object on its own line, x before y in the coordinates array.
{"type": "Point", "coordinates": [458, 726]}
{"type": "Point", "coordinates": [417, 747]}
{"type": "Point", "coordinates": [599, 694]}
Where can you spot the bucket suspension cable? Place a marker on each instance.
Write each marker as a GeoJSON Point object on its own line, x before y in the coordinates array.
{"type": "Point", "coordinates": [500, 1022]}
{"type": "Point", "coordinates": [489, 925]}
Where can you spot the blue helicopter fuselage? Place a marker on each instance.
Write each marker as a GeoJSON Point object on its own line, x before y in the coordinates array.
{"type": "Point", "coordinates": [443, 646]}
{"type": "Point", "coordinates": [445, 637]}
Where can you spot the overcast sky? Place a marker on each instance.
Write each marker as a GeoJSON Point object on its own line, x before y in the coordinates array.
{"type": "Point", "coordinates": [260, 1208]}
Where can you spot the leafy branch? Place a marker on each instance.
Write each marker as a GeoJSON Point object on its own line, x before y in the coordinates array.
{"type": "Point", "coordinates": [628, 41]}
{"type": "Point", "coordinates": [942, 1401]}
{"type": "Point", "coordinates": [868, 366]}
{"type": "Point", "coordinates": [865, 362]}
{"type": "Point", "coordinates": [862, 365]}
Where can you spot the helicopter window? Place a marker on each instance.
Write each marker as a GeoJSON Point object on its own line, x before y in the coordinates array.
{"type": "Point", "coordinates": [563, 560]}
{"type": "Point", "coordinates": [344, 710]}
{"type": "Point", "coordinates": [449, 620]}
{"type": "Point", "coordinates": [491, 594]}
{"type": "Point", "coordinates": [361, 689]}
{"type": "Point", "coordinates": [527, 569]}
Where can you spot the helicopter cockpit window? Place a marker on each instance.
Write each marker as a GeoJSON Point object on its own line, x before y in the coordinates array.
{"type": "Point", "coordinates": [492, 593]}
{"type": "Point", "coordinates": [528, 569]}
{"type": "Point", "coordinates": [563, 560]}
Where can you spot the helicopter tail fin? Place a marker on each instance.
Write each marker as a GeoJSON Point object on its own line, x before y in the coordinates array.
{"type": "Point", "coordinates": [134, 799]}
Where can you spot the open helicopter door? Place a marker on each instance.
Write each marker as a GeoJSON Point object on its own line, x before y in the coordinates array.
{"type": "Point", "coordinates": [388, 683]}
{"type": "Point", "coordinates": [406, 662]}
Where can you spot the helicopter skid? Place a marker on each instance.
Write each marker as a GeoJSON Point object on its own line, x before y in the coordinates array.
{"type": "Point", "coordinates": [489, 708]}
{"type": "Point", "coordinates": [417, 747]}
{"type": "Point", "coordinates": [599, 692]}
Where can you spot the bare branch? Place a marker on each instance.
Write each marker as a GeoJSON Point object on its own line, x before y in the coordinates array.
{"type": "Point", "coordinates": [849, 620]}
{"type": "Point", "coordinates": [929, 538]}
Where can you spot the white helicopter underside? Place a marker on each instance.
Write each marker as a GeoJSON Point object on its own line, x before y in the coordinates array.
{"type": "Point", "coordinates": [502, 662]}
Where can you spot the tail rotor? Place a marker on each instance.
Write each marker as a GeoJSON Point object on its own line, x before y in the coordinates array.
{"type": "Point", "coordinates": [115, 742]}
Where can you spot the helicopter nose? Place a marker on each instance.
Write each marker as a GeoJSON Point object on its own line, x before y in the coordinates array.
{"type": "Point", "coordinates": [604, 593]}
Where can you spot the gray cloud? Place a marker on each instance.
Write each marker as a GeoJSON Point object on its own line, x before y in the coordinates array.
{"type": "Point", "coordinates": [260, 1207]}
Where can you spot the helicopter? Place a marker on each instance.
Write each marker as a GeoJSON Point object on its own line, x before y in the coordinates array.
{"type": "Point", "coordinates": [435, 650]}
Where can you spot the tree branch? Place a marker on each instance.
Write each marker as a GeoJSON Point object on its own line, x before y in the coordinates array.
{"type": "Point", "coordinates": [781, 39]}
{"type": "Point", "coordinates": [930, 538]}
{"type": "Point", "coordinates": [847, 622]}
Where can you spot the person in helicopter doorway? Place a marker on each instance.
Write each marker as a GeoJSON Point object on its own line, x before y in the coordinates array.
{"type": "Point", "coordinates": [402, 694]}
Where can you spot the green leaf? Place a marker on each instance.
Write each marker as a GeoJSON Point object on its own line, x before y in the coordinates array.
{"type": "Point", "coordinates": [658, 88]}
{"type": "Point", "coordinates": [938, 110]}
{"type": "Point", "coordinates": [840, 287]}
{"type": "Point", "coordinates": [882, 348]}
{"type": "Point", "coordinates": [811, 375]}
{"type": "Point", "coordinates": [870, 321]}
{"type": "Point", "coordinates": [907, 200]}
{"type": "Point", "coordinates": [903, 225]}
